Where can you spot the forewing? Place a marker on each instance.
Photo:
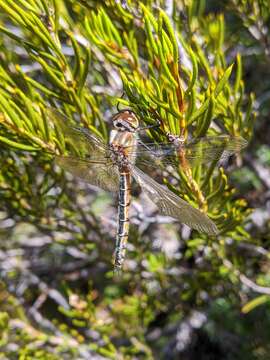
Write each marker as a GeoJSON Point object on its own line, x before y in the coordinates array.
{"type": "Point", "coordinates": [172, 205]}
{"type": "Point", "coordinates": [207, 149]}
{"type": "Point", "coordinates": [196, 152]}
{"type": "Point", "coordinates": [99, 173]}
{"type": "Point", "coordinates": [155, 155]}
{"type": "Point", "coordinates": [82, 141]}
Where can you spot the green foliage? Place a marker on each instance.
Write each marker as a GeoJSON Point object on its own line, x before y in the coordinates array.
{"type": "Point", "coordinates": [175, 67]}
{"type": "Point", "coordinates": [208, 96]}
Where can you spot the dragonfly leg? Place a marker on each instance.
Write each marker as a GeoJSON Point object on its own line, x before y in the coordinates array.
{"type": "Point", "coordinates": [156, 125]}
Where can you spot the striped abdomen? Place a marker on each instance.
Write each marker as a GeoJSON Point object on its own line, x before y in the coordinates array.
{"type": "Point", "coordinates": [123, 220]}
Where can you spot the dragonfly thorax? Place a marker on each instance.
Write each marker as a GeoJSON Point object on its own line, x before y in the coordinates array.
{"type": "Point", "coordinates": [119, 156]}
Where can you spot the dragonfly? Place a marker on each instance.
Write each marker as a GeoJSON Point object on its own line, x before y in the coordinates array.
{"type": "Point", "coordinates": [112, 166]}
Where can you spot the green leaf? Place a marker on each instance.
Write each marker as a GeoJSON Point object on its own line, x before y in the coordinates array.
{"type": "Point", "coordinates": [171, 34]}
{"type": "Point", "coordinates": [194, 75]}
{"type": "Point", "coordinates": [207, 118]}
{"type": "Point", "coordinates": [17, 145]}
{"type": "Point", "coordinates": [199, 112]}
{"type": "Point", "coordinates": [238, 76]}
{"type": "Point", "coordinates": [251, 305]}
{"type": "Point", "coordinates": [223, 81]}
{"type": "Point", "coordinates": [85, 69]}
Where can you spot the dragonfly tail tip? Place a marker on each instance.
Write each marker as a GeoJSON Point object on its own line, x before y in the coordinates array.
{"type": "Point", "coordinates": [117, 271]}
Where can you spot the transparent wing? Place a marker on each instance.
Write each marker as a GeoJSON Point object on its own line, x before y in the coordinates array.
{"type": "Point", "coordinates": [82, 141]}
{"type": "Point", "coordinates": [196, 152]}
{"type": "Point", "coordinates": [172, 205]}
{"type": "Point", "coordinates": [96, 172]}
{"type": "Point", "coordinates": [204, 150]}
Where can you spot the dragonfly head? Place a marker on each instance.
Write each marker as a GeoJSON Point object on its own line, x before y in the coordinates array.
{"type": "Point", "coordinates": [125, 120]}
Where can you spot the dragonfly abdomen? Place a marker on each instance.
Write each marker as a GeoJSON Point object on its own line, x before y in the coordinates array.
{"type": "Point", "coordinates": [123, 219]}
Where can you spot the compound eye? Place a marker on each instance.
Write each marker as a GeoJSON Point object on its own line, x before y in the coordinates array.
{"type": "Point", "coordinates": [118, 125]}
